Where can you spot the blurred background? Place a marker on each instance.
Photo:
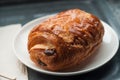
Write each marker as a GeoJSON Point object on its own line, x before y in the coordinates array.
{"type": "Point", "coordinates": [23, 11]}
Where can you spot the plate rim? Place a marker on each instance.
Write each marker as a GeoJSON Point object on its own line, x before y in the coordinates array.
{"type": "Point", "coordinates": [61, 73]}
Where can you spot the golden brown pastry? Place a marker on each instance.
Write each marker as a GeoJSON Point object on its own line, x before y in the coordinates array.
{"type": "Point", "coordinates": [65, 40]}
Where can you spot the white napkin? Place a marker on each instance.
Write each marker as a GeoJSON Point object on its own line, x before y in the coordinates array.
{"type": "Point", "coordinates": [10, 66]}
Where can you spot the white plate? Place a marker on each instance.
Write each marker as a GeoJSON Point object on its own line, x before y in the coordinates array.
{"type": "Point", "coordinates": [106, 51]}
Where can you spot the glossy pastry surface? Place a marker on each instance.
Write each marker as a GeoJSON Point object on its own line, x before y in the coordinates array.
{"type": "Point", "coordinates": [65, 40]}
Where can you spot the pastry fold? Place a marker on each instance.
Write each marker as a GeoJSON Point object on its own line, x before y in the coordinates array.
{"type": "Point", "coordinates": [65, 40]}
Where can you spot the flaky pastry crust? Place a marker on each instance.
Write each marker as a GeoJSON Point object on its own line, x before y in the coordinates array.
{"type": "Point", "coordinates": [65, 40]}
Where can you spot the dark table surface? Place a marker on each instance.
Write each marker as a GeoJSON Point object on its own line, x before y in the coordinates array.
{"type": "Point", "coordinates": [107, 10]}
